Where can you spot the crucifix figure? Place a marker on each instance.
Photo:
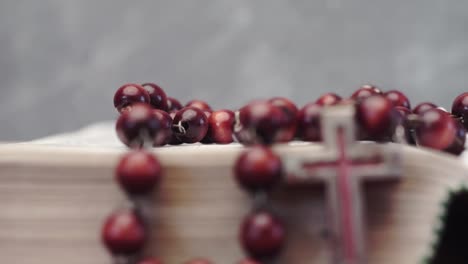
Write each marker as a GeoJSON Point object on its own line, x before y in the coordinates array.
{"type": "Point", "coordinates": [342, 166]}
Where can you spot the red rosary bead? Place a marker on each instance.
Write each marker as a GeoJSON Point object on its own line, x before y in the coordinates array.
{"type": "Point", "coordinates": [328, 99]}
{"type": "Point", "coordinates": [138, 126]}
{"type": "Point", "coordinates": [202, 105]}
{"type": "Point", "coordinates": [158, 98]}
{"type": "Point", "coordinates": [262, 235]}
{"type": "Point", "coordinates": [258, 168]}
{"type": "Point", "coordinates": [423, 107]}
{"type": "Point", "coordinates": [130, 94]}
{"type": "Point", "coordinates": [138, 172]}
{"type": "Point", "coordinates": [290, 110]}
{"type": "Point", "coordinates": [150, 261]}
{"type": "Point", "coordinates": [460, 108]}
{"type": "Point", "coordinates": [398, 98]}
{"type": "Point", "coordinates": [220, 127]}
{"type": "Point", "coordinates": [190, 125]}
{"type": "Point", "coordinates": [365, 91]}
{"type": "Point", "coordinates": [164, 134]}
{"type": "Point", "coordinates": [438, 130]}
{"type": "Point", "coordinates": [123, 233]}
{"type": "Point", "coordinates": [308, 122]}
{"type": "Point", "coordinates": [173, 104]}
{"type": "Point", "coordinates": [260, 122]}
{"type": "Point", "coordinates": [376, 117]}
{"type": "Point", "coordinates": [458, 145]}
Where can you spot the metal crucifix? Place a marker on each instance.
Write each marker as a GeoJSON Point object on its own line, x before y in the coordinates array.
{"type": "Point", "coordinates": [342, 166]}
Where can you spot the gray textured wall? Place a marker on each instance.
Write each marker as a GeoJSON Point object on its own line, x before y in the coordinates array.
{"type": "Point", "coordinates": [61, 61]}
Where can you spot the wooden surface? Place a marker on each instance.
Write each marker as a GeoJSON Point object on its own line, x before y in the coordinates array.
{"type": "Point", "coordinates": [53, 201]}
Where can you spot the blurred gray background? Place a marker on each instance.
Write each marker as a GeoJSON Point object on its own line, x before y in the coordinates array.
{"type": "Point", "coordinates": [61, 61]}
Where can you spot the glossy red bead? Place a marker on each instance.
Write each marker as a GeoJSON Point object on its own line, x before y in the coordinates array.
{"type": "Point", "coordinates": [308, 122]}
{"type": "Point", "coordinates": [138, 126]}
{"type": "Point", "coordinates": [164, 135]}
{"type": "Point", "coordinates": [376, 118]}
{"type": "Point", "coordinates": [138, 172]}
{"type": "Point", "coordinates": [202, 105]}
{"type": "Point", "coordinates": [173, 104]}
{"type": "Point", "coordinates": [423, 107]}
{"type": "Point", "coordinates": [199, 261]}
{"type": "Point", "coordinates": [123, 233]}
{"type": "Point", "coordinates": [262, 235]}
{"type": "Point", "coordinates": [260, 122]}
{"type": "Point", "coordinates": [190, 125]}
{"type": "Point", "coordinates": [365, 91]}
{"type": "Point", "coordinates": [290, 110]}
{"type": "Point", "coordinates": [158, 98]}
{"type": "Point", "coordinates": [438, 130]}
{"type": "Point", "coordinates": [460, 108]}
{"type": "Point", "coordinates": [398, 98]}
{"type": "Point", "coordinates": [150, 261]}
{"type": "Point", "coordinates": [220, 126]}
{"type": "Point", "coordinates": [258, 168]}
{"type": "Point", "coordinates": [130, 94]}
{"type": "Point", "coordinates": [328, 99]}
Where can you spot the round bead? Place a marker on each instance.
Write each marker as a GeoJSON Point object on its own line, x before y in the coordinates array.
{"type": "Point", "coordinates": [150, 261]}
{"type": "Point", "coordinates": [328, 99]}
{"type": "Point", "coordinates": [438, 130]}
{"type": "Point", "coordinates": [376, 117]}
{"type": "Point", "coordinates": [138, 172]}
{"type": "Point", "coordinates": [308, 122]}
{"type": "Point", "coordinates": [220, 125]}
{"type": "Point", "coordinates": [202, 105]}
{"type": "Point", "coordinates": [173, 104]}
{"type": "Point", "coordinates": [198, 261]}
{"type": "Point", "coordinates": [290, 110]}
{"type": "Point", "coordinates": [398, 98]}
{"type": "Point", "coordinates": [164, 134]}
{"type": "Point", "coordinates": [158, 98]}
{"type": "Point", "coordinates": [190, 125]}
{"type": "Point", "coordinates": [130, 94]}
{"type": "Point", "coordinates": [138, 126]}
{"type": "Point", "coordinates": [262, 235]}
{"type": "Point", "coordinates": [123, 233]}
{"type": "Point", "coordinates": [258, 168]}
{"type": "Point", "coordinates": [365, 91]}
{"type": "Point", "coordinates": [458, 146]}
{"type": "Point", "coordinates": [460, 108]}
{"type": "Point", "coordinates": [260, 122]}
{"type": "Point", "coordinates": [423, 107]}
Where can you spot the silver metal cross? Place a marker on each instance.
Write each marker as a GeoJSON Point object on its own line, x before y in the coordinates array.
{"type": "Point", "coordinates": [342, 166]}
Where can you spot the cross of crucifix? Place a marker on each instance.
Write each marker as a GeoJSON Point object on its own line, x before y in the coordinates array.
{"type": "Point", "coordinates": [342, 166]}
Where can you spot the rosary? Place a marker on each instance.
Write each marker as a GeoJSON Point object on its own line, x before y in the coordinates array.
{"type": "Point", "coordinates": [148, 118]}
